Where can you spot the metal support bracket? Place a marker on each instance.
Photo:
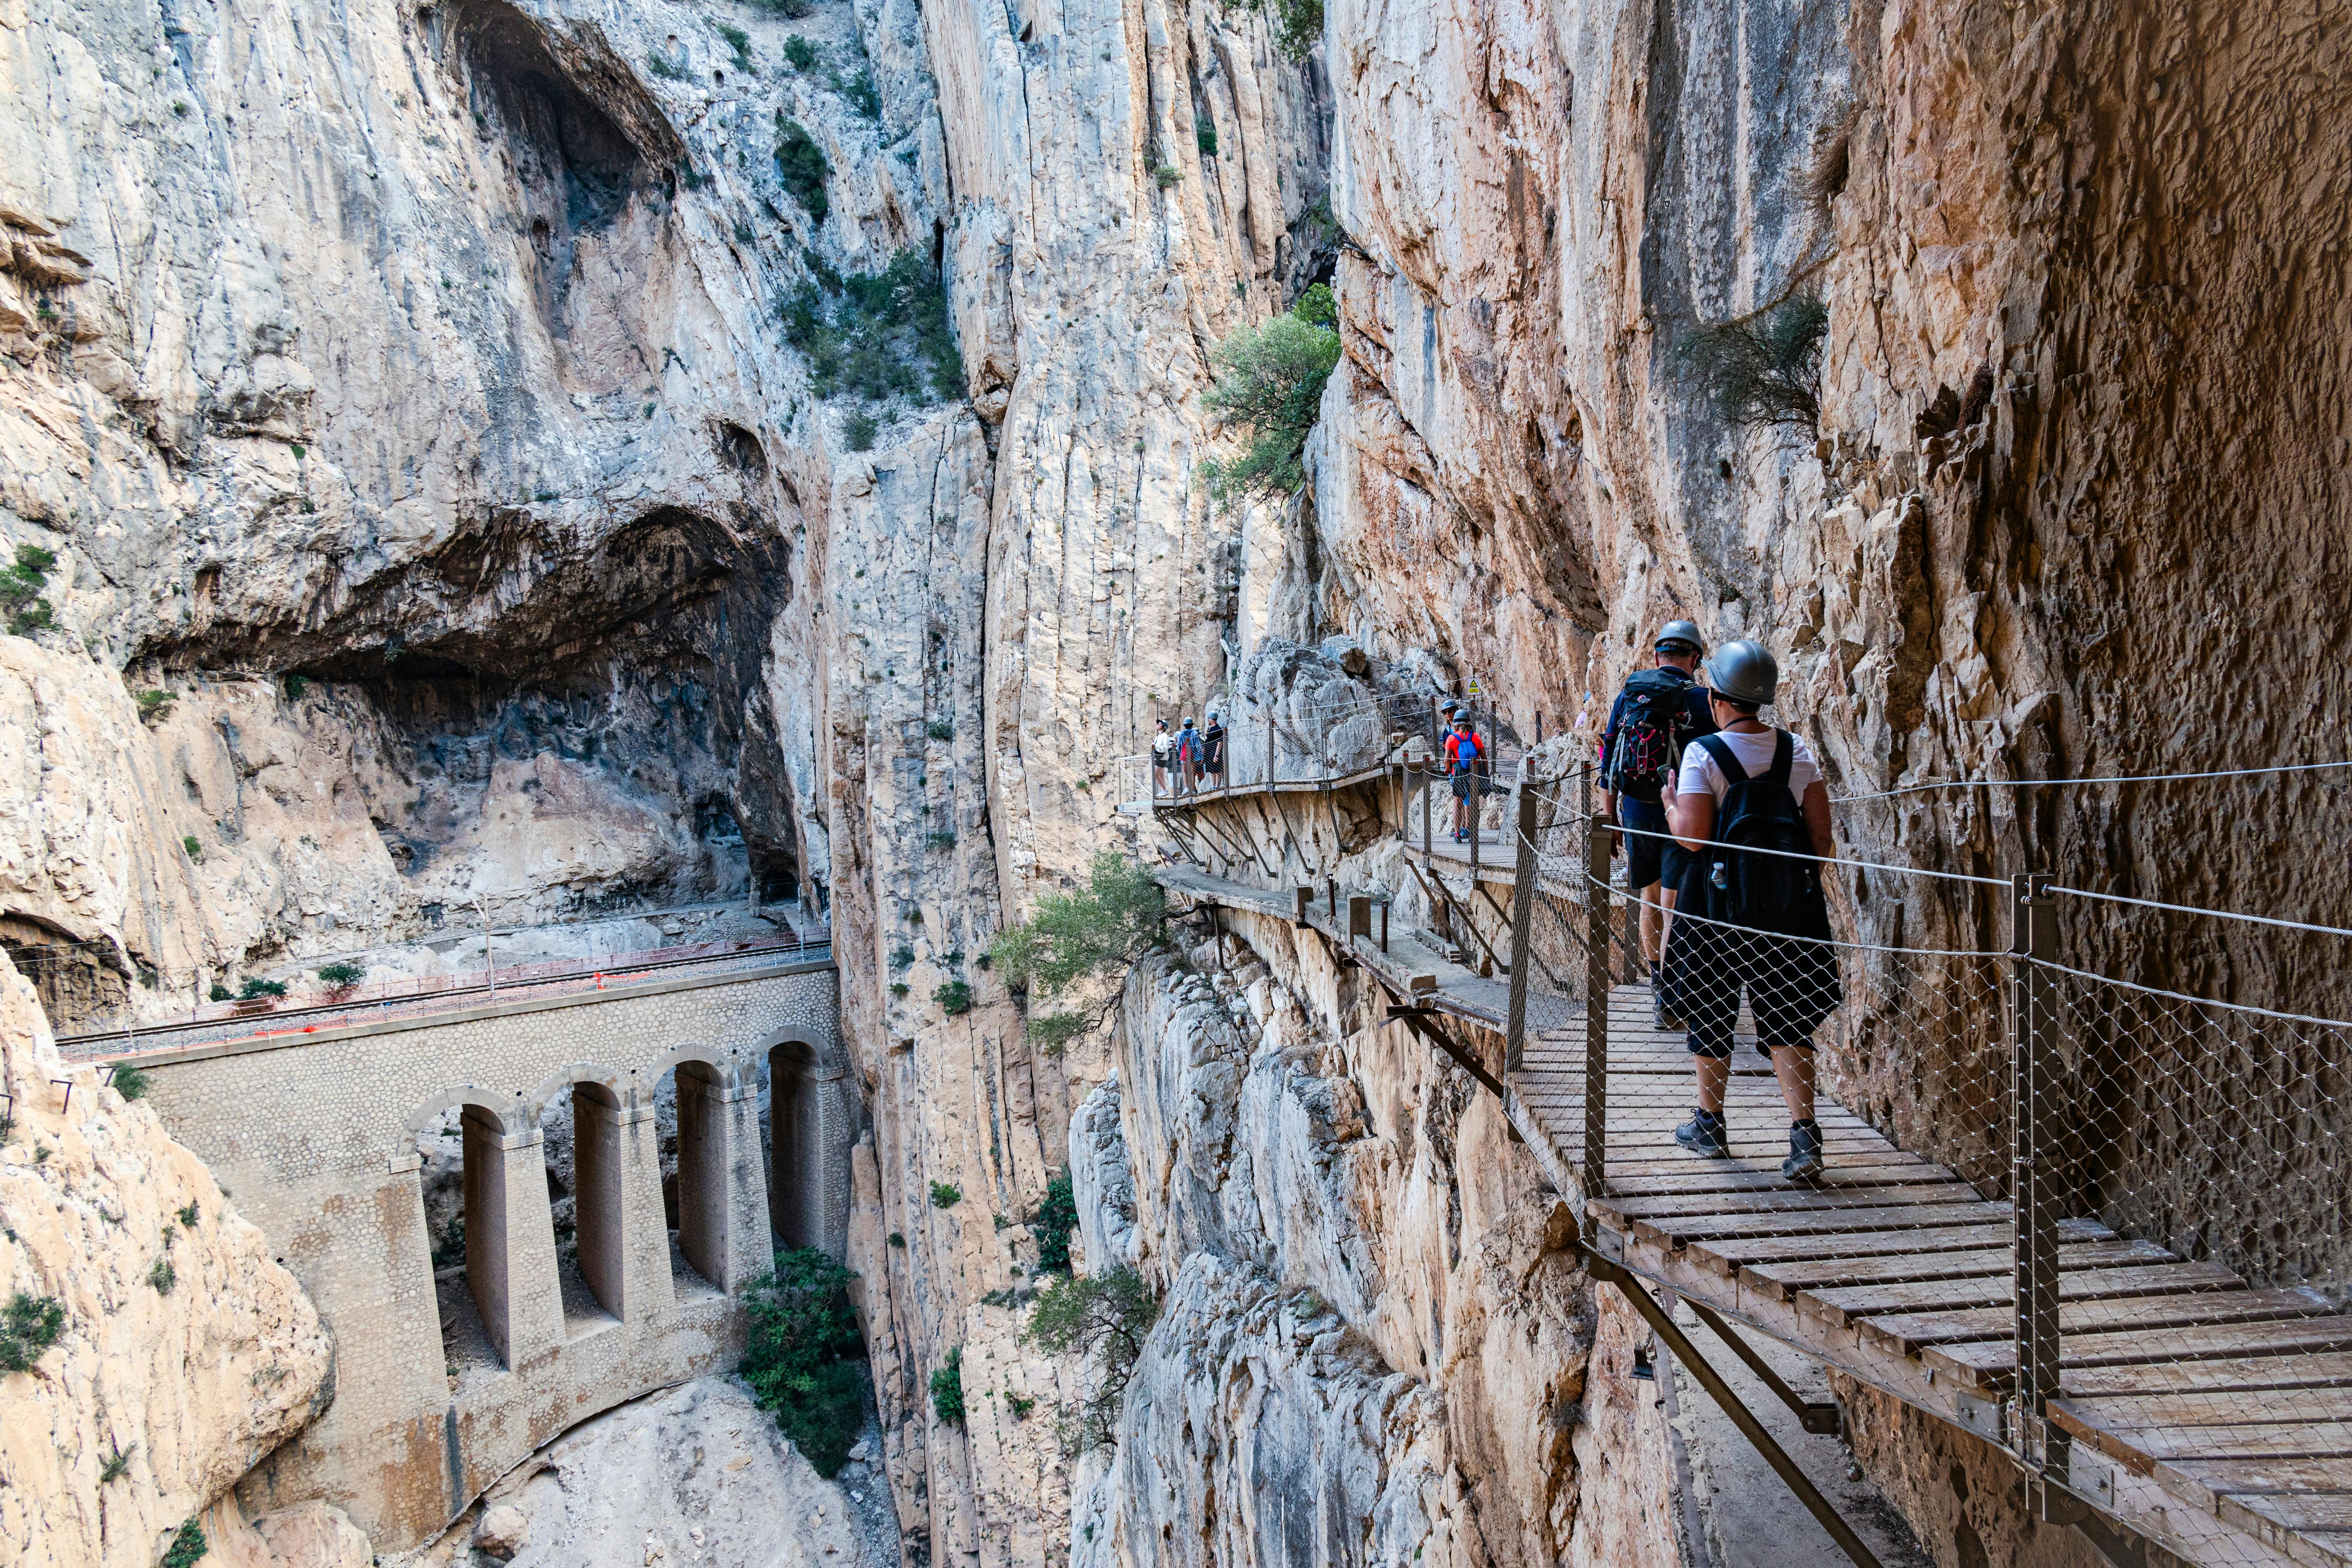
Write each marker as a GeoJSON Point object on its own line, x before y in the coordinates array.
{"type": "Point", "coordinates": [1823, 1420]}
{"type": "Point", "coordinates": [1661, 1324]}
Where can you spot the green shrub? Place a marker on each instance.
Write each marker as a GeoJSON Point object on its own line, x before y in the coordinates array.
{"type": "Point", "coordinates": [1056, 1217]}
{"type": "Point", "coordinates": [1763, 369]}
{"type": "Point", "coordinates": [194, 847]}
{"type": "Point", "coordinates": [258, 987]}
{"type": "Point", "coordinates": [944, 1196]}
{"type": "Point", "coordinates": [877, 334]}
{"type": "Point", "coordinates": [857, 89]}
{"type": "Point", "coordinates": [131, 1082]}
{"type": "Point", "coordinates": [295, 686]}
{"type": "Point", "coordinates": [800, 163]}
{"type": "Point", "coordinates": [188, 1215]}
{"type": "Point", "coordinates": [187, 1547]}
{"type": "Point", "coordinates": [155, 705]}
{"type": "Point", "coordinates": [900, 989]}
{"type": "Point", "coordinates": [1270, 381]}
{"type": "Point", "coordinates": [898, 1238]}
{"type": "Point", "coordinates": [162, 1276]}
{"type": "Point", "coordinates": [940, 729]}
{"type": "Point", "coordinates": [1206, 136]}
{"type": "Point", "coordinates": [342, 976]}
{"type": "Point", "coordinates": [860, 431]}
{"type": "Point", "coordinates": [1074, 935]}
{"type": "Point", "coordinates": [800, 54]}
{"type": "Point", "coordinates": [804, 1360]}
{"type": "Point", "coordinates": [901, 956]}
{"type": "Point", "coordinates": [947, 1388]}
{"type": "Point", "coordinates": [117, 1464]}
{"type": "Point", "coordinates": [1297, 26]}
{"type": "Point", "coordinates": [1316, 307]}
{"type": "Point", "coordinates": [20, 589]}
{"type": "Point", "coordinates": [740, 42]}
{"type": "Point", "coordinates": [943, 839]}
{"type": "Point", "coordinates": [954, 998]}
{"type": "Point", "coordinates": [1102, 1319]}
{"type": "Point", "coordinates": [220, 992]}
{"type": "Point", "coordinates": [1054, 1033]}
{"type": "Point", "coordinates": [1167, 174]}
{"type": "Point", "coordinates": [30, 1324]}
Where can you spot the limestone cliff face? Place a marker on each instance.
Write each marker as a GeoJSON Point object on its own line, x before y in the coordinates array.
{"type": "Point", "coordinates": [186, 1352]}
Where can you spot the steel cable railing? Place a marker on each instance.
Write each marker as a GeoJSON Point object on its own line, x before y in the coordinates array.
{"type": "Point", "coordinates": [2156, 1189]}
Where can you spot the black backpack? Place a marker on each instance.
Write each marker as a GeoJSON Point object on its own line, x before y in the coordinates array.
{"type": "Point", "coordinates": [1648, 744]}
{"type": "Point", "coordinates": [1759, 814]}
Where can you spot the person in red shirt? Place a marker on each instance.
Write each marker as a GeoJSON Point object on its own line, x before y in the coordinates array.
{"type": "Point", "coordinates": [1463, 752]}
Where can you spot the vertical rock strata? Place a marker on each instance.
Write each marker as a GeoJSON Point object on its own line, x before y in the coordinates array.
{"type": "Point", "coordinates": [187, 1353]}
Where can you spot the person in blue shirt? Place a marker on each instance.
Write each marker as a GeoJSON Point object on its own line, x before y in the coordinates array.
{"type": "Point", "coordinates": [1658, 712]}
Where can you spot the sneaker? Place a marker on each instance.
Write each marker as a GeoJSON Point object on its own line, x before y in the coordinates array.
{"type": "Point", "coordinates": [1804, 1162]}
{"type": "Point", "coordinates": [1704, 1134]}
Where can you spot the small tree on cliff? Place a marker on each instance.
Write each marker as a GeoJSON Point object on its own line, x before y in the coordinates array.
{"type": "Point", "coordinates": [1270, 382]}
{"type": "Point", "coordinates": [1075, 937]}
{"type": "Point", "coordinates": [1102, 1319]}
{"type": "Point", "coordinates": [803, 1355]}
{"type": "Point", "coordinates": [1764, 369]}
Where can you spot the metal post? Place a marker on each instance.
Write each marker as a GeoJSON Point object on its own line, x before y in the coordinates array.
{"type": "Point", "coordinates": [1523, 902]}
{"type": "Point", "coordinates": [1595, 1168]}
{"type": "Point", "coordinates": [1428, 810]}
{"type": "Point", "coordinates": [1384, 923]}
{"type": "Point", "coordinates": [2033, 1169]}
{"type": "Point", "coordinates": [489, 964]}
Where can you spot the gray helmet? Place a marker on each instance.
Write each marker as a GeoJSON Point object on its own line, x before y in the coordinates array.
{"type": "Point", "coordinates": [1744, 671]}
{"type": "Point", "coordinates": [1679, 633]}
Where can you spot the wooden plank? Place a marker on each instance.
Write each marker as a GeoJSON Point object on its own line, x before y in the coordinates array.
{"type": "Point", "coordinates": [1840, 1306]}
{"type": "Point", "coordinates": [2302, 1512]}
{"type": "Point", "coordinates": [1993, 1363]}
{"type": "Point", "coordinates": [1909, 1333]}
{"type": "Point", "coordinates": [1717, 1176]}
{"type": "Point", "coordinates": [1681, 1230]}
{"type": "Point", "coordinates": [2237, 1407]}
{"type": "Point", "coordinates": [1728, 1255]}
{"type": "Point", "coordinates": [1780, 1281]}
{"type": "Point", "coordinates": [2144, 1448]}
{"type": "Point", "coordinates": [1631, 1176]}
{"type": "Point", "coordinates": [2324, 1370]}
{"type": "Point", "coordinates": [1788, 1196]}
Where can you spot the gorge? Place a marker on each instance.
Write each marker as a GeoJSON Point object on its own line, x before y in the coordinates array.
{"type": "Point", "coordinates": [545, 482]}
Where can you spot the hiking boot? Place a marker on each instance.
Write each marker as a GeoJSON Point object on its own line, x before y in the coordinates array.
{"type": "Point", "coordinates": [1804, 1162]}
{"type": "Point", "coordinates": [1706, 1134]}
{"type": "Point", "coordinates": [1661, 1015]}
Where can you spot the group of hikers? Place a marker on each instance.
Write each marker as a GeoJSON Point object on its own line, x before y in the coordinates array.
{"type": "Point", "coordinates": [1189, 758]}
{"type": "Point", "coordinates": [1725, 821]}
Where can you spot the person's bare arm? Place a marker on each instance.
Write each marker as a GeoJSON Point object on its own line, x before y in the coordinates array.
{"type": "Point", "coordinates": [1817, 819]}
{"type": "Point", "coordinates": [1693, 817]}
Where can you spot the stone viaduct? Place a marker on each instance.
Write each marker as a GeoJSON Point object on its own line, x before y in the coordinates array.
{"type": "Point", "coordinates": [326, 1142]}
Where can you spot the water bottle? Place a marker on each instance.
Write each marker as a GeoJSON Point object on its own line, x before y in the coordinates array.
{"type": "Point", "coordinates": [1718, 876]}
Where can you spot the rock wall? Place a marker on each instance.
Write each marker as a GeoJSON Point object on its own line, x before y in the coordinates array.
{"type": "Point", "coordinates": [187, 1353]}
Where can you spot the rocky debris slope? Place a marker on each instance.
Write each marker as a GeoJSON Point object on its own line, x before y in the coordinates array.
{"type": "Point", "coordinates": [691, 1477]}
{"type": "Point", "coordinates": [187, 1353]}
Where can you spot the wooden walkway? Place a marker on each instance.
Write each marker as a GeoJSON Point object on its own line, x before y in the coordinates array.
{"type": "Point", "coordinates": [2211, 1416]}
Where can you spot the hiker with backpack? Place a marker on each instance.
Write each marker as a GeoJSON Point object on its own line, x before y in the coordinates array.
{"type": "Point", "coordinates": [1213, 750]}
{"type": "Point", "coordinates": [1188, 757]}
{"type": "Point", "coordinates": [1656, 714]}
{"type": "Point", "coordinates": [1750, 807]}
{"type": "Point", "coordinates": [1463, 761]}
{"type": "Point", "coordinates": [1163, 759]}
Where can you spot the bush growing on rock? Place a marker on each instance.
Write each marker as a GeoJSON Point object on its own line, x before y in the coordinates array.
{"type": "Point", "coordinates": [255, 989]}
{"type": "Point", "coordinates": [803, 1355]}
{"type": "Point", "coordinates": [342, 976]}
{"type": "Point", "coordinates": [219, 993]}
{"type": "Point", "coordinates": [20, 590]}
{"type": "Point", "coordinates": [945, 1195]}
{"type": "Point", "coordinates": [947, 1388]}
{"type": "Point", "coordinates": [874, 335]}
{"type": "Point", "coordinates": [1074, 936]}
{"type": "Point", "coordinates": [860, 431]}
{"type": "Point", "coordinates": [1103, 1319]}
{"type": "Point", "coordinates": [130, 1082]}
{"type": "Point", "coordinates": [29, 1325]}
{"type": "Point", "coordinates": [954, 998]}
{"type": "Point", "coordinates": [1056, 1217]}
{"type": "Point", "coordinates": [1764, 369]}
{"type": "Point", "coordinates": [802, 165]}
{"type": "Point", "coordinates": [1270, 382]}
{"type": "Point", "coordinates": [800, 54]}
{"type": "Point", "coordinates": [188, 1547]}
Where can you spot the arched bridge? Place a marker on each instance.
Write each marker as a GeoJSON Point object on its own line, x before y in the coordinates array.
{"type": "Point", "coordinates": [516, 1216]}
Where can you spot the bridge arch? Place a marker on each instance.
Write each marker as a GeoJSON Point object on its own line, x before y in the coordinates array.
{"type": "Point", "coordinates": [805, 1122]}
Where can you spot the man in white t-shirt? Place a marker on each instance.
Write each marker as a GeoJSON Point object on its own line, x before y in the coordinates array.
{"type": "Point", "coordinates": [1789, 980]}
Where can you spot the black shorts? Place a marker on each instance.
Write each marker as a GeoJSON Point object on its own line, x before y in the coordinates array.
{"type": "Point", "coordinates": [1462, 786]}
{"type": "Point", "coordinates": [1790, 987]}
{"type": "Point", "coordinates": [1649, 860]}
